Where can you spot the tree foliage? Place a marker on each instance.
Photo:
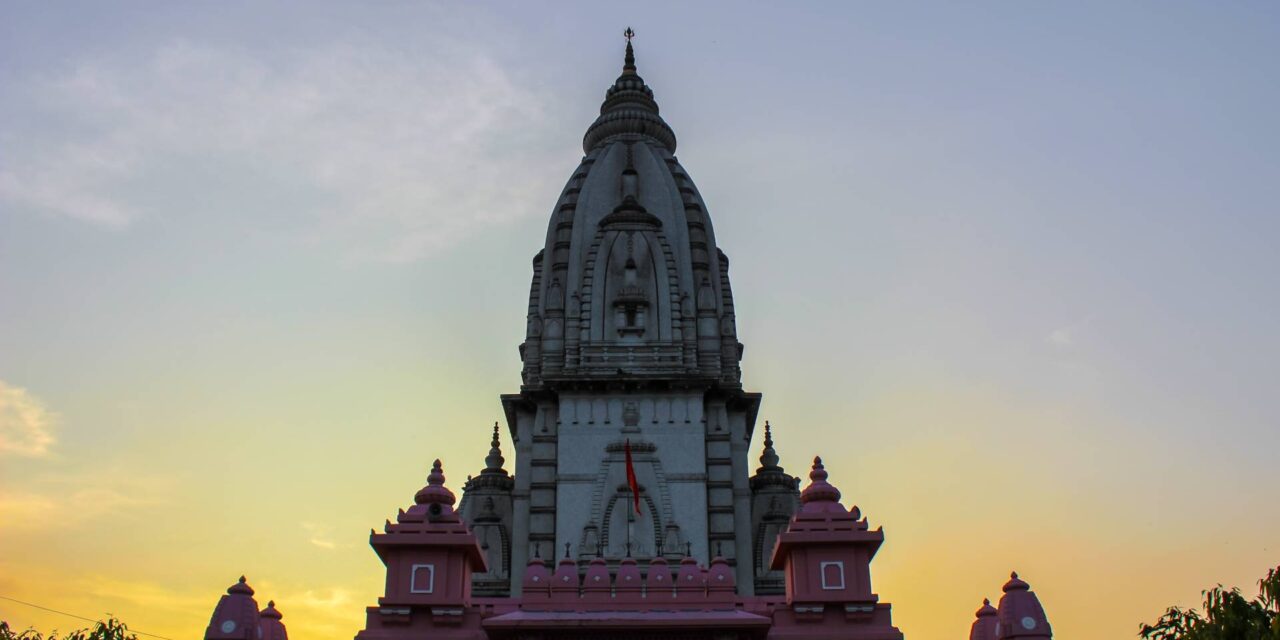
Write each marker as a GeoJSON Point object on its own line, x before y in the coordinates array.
{"type": "Point", "coordinates": [109, 629]}
{"type": "Point", "coordinates": [1227, 615]}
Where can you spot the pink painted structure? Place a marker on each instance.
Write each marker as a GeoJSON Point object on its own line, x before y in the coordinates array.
{"type": "Point", "coordinates": [984, 628]}
{"type": "Point", "coordinates": [272, 627]}
{"type": "Point", "coordinates": [825, 554]}
{"type": "Point", "coordinates": [1020, 615]}
{"type": "Point", "coordinates": [237, 617]}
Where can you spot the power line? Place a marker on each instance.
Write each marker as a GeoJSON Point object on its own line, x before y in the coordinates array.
{"type": "Point", "coordinates": [72, 615]}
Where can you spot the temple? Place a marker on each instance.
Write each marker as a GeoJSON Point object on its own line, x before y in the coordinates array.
{"type": "Point", "coordinates": [632, 509]}
{"type": "Point", "coordinates": [237, 617]}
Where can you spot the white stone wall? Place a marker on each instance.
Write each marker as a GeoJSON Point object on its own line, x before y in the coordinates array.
{"type": "Point", "coordinates": [673, 475]}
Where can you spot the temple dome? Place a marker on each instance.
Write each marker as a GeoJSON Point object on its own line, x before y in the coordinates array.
{"type": "Point", "coordinates": [236, 616]}
{"type": "Point", "coordinates": [630, 281]}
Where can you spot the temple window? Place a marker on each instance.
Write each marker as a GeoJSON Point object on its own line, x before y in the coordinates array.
{"type": "Point", "coordinates": [832, 575]}
{"type": "Point", "coordinates": [422, 578]}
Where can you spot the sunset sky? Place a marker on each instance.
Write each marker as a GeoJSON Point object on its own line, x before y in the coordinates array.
{"type": "Point", "coordinates": [1011, 268]}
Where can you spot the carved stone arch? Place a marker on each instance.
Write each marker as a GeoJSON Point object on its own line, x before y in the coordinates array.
{"type": "Point", "coordinates": [590, 286]}
{"type": "Point", "coordinates": [639, 253]}
{"type": "Point", "coordinates": [663, 275]}
{"type": "Point", "coordinates": [659, 500]}
{"type": "Point", "coordinates": [774, 522]}
{"type": "Point", "coordinates": [669, 289]}
{"type": "Point", "coordinates": [501, 569]}
{"type": "Point", "coordinates": [654, 519]}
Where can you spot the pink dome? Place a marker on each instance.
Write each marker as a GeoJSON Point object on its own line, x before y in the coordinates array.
{"type": "Point", "coordinates": [236, 616]}
{"type": "Point", "coordinates": [1020, 614]}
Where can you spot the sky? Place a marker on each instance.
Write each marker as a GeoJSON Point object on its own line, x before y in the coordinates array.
{"type": "Point", "coordinates": [1009, 267]}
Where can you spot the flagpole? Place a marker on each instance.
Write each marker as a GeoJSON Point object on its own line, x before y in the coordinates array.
{"type": "Point", "coordinates": [634, 488]}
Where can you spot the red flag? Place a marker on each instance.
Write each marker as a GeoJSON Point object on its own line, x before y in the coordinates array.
{"type": "Point", "coordinates": [631, 477]}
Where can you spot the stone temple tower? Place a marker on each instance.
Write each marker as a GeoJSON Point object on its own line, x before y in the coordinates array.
{"type": "Point", "coordinates": [632, 512]}
{"type": "Point", "coordinates": [630, 338]}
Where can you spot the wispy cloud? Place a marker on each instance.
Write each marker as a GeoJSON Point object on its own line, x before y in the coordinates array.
{"type": "Point", "coordinates": [147, 594]}
{"type": "Point", "coordinates": [26, 425]}
{"type": "Point", "coordinates": [1061, 337]}
{"type": "Point", "coordinates": [320, 535]}
{"type": "Point", "coordinates": [391, 153]}
{"type": "Point", "coordinates": [1067, 336]}
{"type": "Point", "coordinates": [49, 500]}
{"type": "Point", "coordinates": [315, 611]}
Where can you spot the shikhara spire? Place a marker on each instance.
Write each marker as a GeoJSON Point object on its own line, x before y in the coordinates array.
{"type": "Point", "coordinates": [494, 461]}
{"type": "Point", "coordinates": [270, 623]}
{"type": "Point", "coordinates": [237, 617]}
{"type": "Point", "coordinates": [1020, 614]}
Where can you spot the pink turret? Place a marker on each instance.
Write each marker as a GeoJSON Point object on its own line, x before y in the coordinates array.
{"type": "Point", "coordinates": [691, 581]}
{"type": "Point", "coordinates": [537, 580]}
{"type": "Point", "coordinates": [236, 616]}
{"type": "Point", "coordinates": [597, 585]}
{"type": "Point", "coordinates": [984, 628]}
{"type": "Point", "coordinates": [430, 555]}
{"type": "Point", "coordinates": [628, 583]}
{"type": "Point", "coordinates": [1020, 614]}
{"type": "Point", "coordinates": [658, 584]}
{"type": "Point", "coordinates": [564, 584]}
{"type": "Point", "coordinates": [272, 627]}
{"type": "Point", "coordinates": [826, 554]}
{"type": "Point", "coordinates": [720, 581]}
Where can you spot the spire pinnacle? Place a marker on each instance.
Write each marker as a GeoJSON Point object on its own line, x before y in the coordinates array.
{"type": "Point", "coordinates": [494, 461]}
{"type": "Point", "coordinates": [986, 609]}
{"type": "Point", "coordinates": [629, 62]}
{"type": "Point", "coordinates": [768, 457]}
{"type": "Point", "coordinates": [240, 587]}
{"type": "Point", "coordinates": [1015, 583]}
{"type": "Point", "coordinates": [435, 492]}
{"type": "Point", "coordinates": [629, 111]}
{"type": "Point", "coordinates": [271, 611]}
{"type": "Point", "coordinates": [819, 490]}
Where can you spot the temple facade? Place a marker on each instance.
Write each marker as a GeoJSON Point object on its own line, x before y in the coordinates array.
{"type": "Point", "coordinates": [631, 508]}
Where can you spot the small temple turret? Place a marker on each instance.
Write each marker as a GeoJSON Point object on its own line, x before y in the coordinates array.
{"type": "Point", "coordinates": [775, 496]}
{"type": "Point", "coordinates": [984, 627]}
{"type": "Point", "coordinates": [236, 616]}
{"type": "Point", "coordinates": [486, 507]}
{"type": "Point", "coordinates": [270, 623]}
{"type": "Point", "coordinates": [429, 555]}
{"type": "Point", "coordinates": [826, 555]}
{"type": "Point", "coordinates": [1020, 614]}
